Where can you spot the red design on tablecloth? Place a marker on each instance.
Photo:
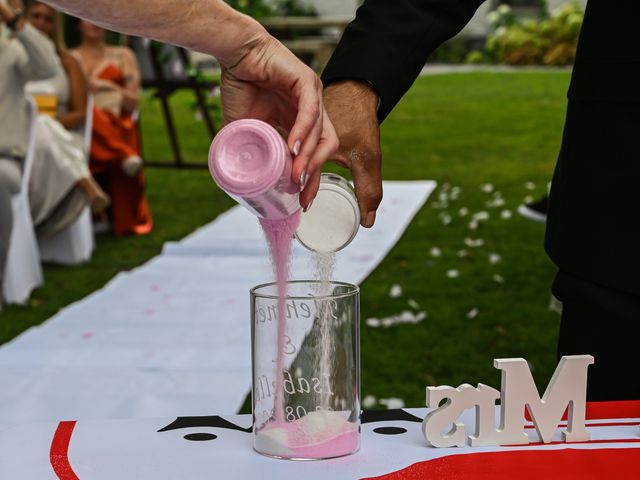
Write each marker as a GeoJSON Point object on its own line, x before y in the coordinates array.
{"type": "Point", "coordinates": [604, 410]}
{"type": "Point", "coordinates": [59, 453]}
{"type": "Point", "coordinates": [568, 464]}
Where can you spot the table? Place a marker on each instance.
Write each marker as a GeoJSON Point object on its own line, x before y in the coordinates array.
{"type": "Point", "coordinates": [312, 39]}
{"type": "Point", "coordinates": [392, 449]}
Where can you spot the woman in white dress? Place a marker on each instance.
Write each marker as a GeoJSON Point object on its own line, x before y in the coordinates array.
{"type": "Point", "coordinates": [61, 184]}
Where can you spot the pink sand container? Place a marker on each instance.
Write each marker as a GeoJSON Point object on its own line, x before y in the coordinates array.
{"type": "Point", "coordinates": [250, 161]}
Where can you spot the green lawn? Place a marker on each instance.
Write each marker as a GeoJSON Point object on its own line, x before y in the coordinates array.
{"type": "Point", "coordinates": [463, 130]}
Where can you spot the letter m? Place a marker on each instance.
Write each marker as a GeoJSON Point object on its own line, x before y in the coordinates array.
{"type": "Point", "coordinates": [567, 388]}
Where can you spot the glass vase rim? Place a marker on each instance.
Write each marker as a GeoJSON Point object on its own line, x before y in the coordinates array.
{"type": "Point", "coordinates": [352, 290]}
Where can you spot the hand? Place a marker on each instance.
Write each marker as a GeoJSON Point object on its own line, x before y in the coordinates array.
{"type": "Point", "coordinates": [352, 107]}
{"type": "Point", "coordinates": [8, 11]}
{"type": "Point", "coordinates": [269, 83]}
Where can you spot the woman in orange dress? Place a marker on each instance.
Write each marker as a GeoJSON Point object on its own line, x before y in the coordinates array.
{"type": "Point", "coordinates": [114, 80]}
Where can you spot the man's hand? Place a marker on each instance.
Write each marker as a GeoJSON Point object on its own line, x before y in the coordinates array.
{"type": "Point", "coordinates": [352, 107]}
{"type": "Point", "coordinates": [266, 81]}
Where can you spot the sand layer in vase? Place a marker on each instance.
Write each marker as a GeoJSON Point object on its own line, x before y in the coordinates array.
{"type": "Point", "coordinates": [321, 434]}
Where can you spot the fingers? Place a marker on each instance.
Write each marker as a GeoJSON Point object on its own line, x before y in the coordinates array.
{"type": "Point", "coordinates": [307, 128]}
{"type": "Point", "coordinates": [325, 149]}
{"type": "Point", "coordinates": [367, 179]}
{"type": "Point", "coordinates": [310, 191]}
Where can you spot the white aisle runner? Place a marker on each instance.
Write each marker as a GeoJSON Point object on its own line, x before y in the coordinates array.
{"type": "Point", "coordinates": [172, 336]}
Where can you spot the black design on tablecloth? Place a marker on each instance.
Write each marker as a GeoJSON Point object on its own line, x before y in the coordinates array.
{"type": "Point", "coordinates": [212, 421]}
{"type": "Point", "coordinates": [390, 430]}
{"type": "Point", "coordinates": [200, 437]}
{"type": "Point", "coordinates": [372, 416]}
{"type": "Point", "coordinates": [375, 416]}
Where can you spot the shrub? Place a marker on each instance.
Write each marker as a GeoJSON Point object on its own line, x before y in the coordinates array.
{"type": "Point", "coordinates": [551, 40]}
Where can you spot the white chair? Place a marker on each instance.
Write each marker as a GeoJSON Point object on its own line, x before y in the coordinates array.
{"type": "Point", "coordinates": [75, 243]}
{"type": "Point", "coordinates": [23, 271]}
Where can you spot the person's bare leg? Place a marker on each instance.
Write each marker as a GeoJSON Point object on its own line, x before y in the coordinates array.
{"type": "Point", "coordinates": [97, 197]}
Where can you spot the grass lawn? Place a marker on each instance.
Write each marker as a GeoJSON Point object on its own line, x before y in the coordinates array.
{"type": "Point", "coordinates": [463, 130]}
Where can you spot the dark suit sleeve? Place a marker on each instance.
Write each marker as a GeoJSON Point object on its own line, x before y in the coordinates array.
{"type": "Point", "coordinates": [389, 41]}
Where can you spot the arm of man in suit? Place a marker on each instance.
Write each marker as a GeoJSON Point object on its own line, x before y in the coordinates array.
{"type": "Point", "coordinates": [377, 60]}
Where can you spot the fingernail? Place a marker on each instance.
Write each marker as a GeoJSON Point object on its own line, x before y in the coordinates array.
{"type": "Point", "coordinates": [370, 219]}
{"type": "Point", "coordinates": [296, 148]}
{"type": "Point", "coordinates": [306, 209]}
{"type": "Point", "coordinates": [303, 179]}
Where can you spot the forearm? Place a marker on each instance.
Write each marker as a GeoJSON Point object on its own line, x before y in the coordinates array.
{"type": "Point", "coordinates": [39, 63]}
{"type": "Point", "coordinates": [73, 120]}
{"type": "Point", "coordinates": [208, 26]}
{"type": "Point", "coordinates": [389, 42]}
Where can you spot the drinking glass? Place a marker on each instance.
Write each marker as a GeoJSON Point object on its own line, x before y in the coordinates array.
{"type": "Point", "coordinates": [306, 369]}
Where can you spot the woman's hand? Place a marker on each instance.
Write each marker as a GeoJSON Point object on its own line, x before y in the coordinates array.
{"type": "Point", "coordinates": [266, 81]}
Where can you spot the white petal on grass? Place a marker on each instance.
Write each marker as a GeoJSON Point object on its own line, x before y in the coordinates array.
{"type": "Point", "coordinates": [530, 186]}
{"type": "Point", "coordinates": [373, 322]}
{"type": "Point", "coordinates": [480, 216]}
{"type": "Point", "coordinates": [396, 291]}
{"type": "Point", "coordinates": [527, 199]}
{"type": "Point", "coordinates": [486, 187]}
{"type": "Point", "coordinates": [463, 212]}
{"type": "Point", "coordinates": [473, 313]}
{"type": "Point", "coordinates": [435, 252]}
{"type": "Point", "coordinates": [407, 316]}
{"type": "Point", "coordinates": [498, 279]}
{"type": "Point", "coordinates": [413, 304]}
{"type": "Point", "coordinates": [494, 258]}
{"type": "Point", "coordinates": [369, 401]}
{"type": "Point", "coordinates": [445, 218]}
{"type": "Point", "coordinates": [496, 202]}
{"type": "Point", "coordinates": [392, 403]}
{"type": "Point", "coordinates": [555, 305]}
{"type": "Point", "coordinates": [473, 225]}
{"type": "Point", "coordinates": [455, 193]}
{"type": "Point", "coordinates": [473, 243]}
{"type": "Point", "coordinates": [506, 214]}
{"type": "Point", "coordinates": [453, 273]}
{"type": "Point", "coordinates": [462, 253]}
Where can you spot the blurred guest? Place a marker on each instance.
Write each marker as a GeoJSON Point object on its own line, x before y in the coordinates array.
{"type": "Point", "coordinates": [114, 80]}
{"type": "Point", "coordinates": [27, 55]}
{"type": "Point", "coordinates": [60, 164]}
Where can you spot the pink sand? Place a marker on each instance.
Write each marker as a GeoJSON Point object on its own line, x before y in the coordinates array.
{"type": "Point", "coordinates": [279, 235]}
{"type": "Point", "coordinates": [294, 440]}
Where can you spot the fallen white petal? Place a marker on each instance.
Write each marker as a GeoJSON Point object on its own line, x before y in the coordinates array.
{"type": "Point", "coordinates": [527, 199]}
{"type": "Point", "coordinates": [435, 252]}
{"type": "Point", "coordinates": [413, 304]}
{"type": "Point", "coordinates": [486, 187]}
{"type": "Point", "coordinates": [462, 253]}
{"type": "Point", "coordinates": [396, 291]}
{"type": "Point", "coordinates": [530, 186]}
{"type": "Point", "coordinates": [392, 403]}
{"type": "Point", "coordinates": [473, 225]}
{"type": "Point", "coordinates": [506, 214]}
{"type": "Point", "coordinates": [373, 322]}
{"type": "Point", "coordinates": [463, 212]}
{"type": "Point", "coordinates": [498, 279]}
{"type": "Point", "coordinates": [555, 305]}
{"type": "Point", "coordinates": [496, 202]}
{"type": "Point", "coordinates": [473, 313]}
{"type": "Point", "coordinates": [480, 216]}
{"type": "Point", "coordinates": [445, 218]}
{"type": "Point", "coordinates": [494, 258]}
{"type": "Point", "coordinates": [453, 273]}
{"type": "Point", "coordinates": [471, 243]}
{"type": "Point", "coordinates": [369, 401]}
